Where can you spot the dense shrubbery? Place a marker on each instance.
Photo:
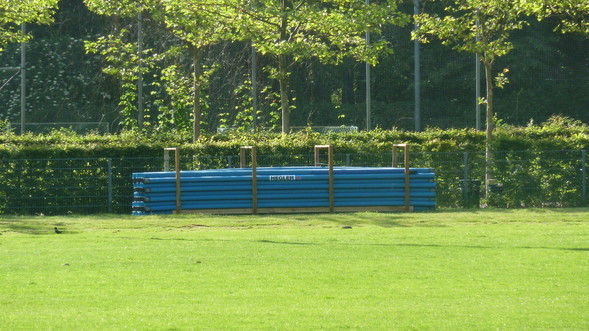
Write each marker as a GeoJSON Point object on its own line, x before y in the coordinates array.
{"type": "Point", "coordinates": [539, 165]}
{"type": "Point", "coordinates": [557, 133]}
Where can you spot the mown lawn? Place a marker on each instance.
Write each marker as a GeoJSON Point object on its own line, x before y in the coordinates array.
{"type": "Point", "coordinates": [470, 270]}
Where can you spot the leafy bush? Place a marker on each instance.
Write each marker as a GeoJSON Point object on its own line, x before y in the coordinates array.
{"type": "Point", "coordinates": [556, 134]}
{"type": "Point", "coordinates": [539, 165]}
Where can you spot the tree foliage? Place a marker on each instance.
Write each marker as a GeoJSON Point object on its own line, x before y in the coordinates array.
{"type": "Point", "coordinates": [198, 23]}
{"type": "Point", "coordinates": [15, 12]}
{"type": "Point", "coordinates": [481, 27]}
{"type": "Point", "coordinates": [328, 30]}
{"type": "Point", "coordinates": [547, 74]}
{"type": "Point", "coordinates": [158, 60]}
{"type": "Point", "coordinates": [573, 14]}
{"type": "Point", "coordinates": [201, 24]}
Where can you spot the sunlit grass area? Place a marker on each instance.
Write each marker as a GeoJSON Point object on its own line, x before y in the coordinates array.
{"type": "Point", "coordinates": [497, 269]}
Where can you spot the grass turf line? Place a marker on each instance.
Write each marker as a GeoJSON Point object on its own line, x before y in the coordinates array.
{"type": "Point", "coordinates": [508, 269]}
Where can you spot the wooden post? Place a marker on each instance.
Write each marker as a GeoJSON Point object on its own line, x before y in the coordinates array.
{"type": "Point", "coordinates": [166, 159]}
{"type": "Point", "coordinates": [242, 156]}
{"type": "Point", "coordinates": [242, 152]}
{"type": "Point", "coordinates": [178, 177]}
{"type": "Point", "coordinates": [330, 166]}
{"type": "Point", "coordinates": [316, 158]}
{"type": "Point", "coordinates": [407, 174]}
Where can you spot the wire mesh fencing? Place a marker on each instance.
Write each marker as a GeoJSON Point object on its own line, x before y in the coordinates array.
{"type": "Point", "coordinates": [104, 185]}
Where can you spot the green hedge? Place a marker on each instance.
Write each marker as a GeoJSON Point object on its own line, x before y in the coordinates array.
{"type": "Point", "coordinates": [61, 172]}
{"type": "Point", "coordinates": [556, 134]}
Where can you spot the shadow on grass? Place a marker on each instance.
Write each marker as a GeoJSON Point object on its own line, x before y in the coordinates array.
{"type": "Point", "coordinates": [581, 249]}
{"type": "Point", "coordinates": [359, 219]}
{"type": "Point", "coordinates": [505, 210]}
{"type": "Point", "coordinates": [165, 239]}
{"type": "Point", "coordinates": [285, 242]}
{"type": "Point", "coordinates": [298, 243]}
{"type": "Point", "coordinates": [577, 249]}
{"type": "Point", "coordinates": [224, 240]}
{"type": "Point", "coordinates": [383, 220]}
{"type": "Point", "coordinates": [33, 228]}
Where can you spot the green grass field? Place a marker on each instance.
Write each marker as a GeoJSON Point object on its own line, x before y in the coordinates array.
{"type": "Point", "coordinates": [466, 270]}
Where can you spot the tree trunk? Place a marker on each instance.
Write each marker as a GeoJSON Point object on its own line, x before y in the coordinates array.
{"type": "Point", "coordinates": [196, 59]}
{"type": "Point", "coordinates": [283, 79]}
{"type": "Point", "coordinates": [490, 126]}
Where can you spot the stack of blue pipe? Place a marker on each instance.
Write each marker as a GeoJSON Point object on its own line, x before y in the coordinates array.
{"type": "Point", "coordinates": [282, 187]}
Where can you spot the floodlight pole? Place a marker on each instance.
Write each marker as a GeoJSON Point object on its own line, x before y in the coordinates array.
{"type": "Point", "coordinates": [477, 85]}
{"type": "Point", "coordinates": [254, 88]}
{"type": "Point", "coordinates": [23, 81]}
{"type": "Point", "coordinates": [478, 91]}
{"type": "Point", "coordinates": [417, 73]}
{"type": "Point", "coordinates": [368, 91]}
{"type": "Point", "coordinates": [139, 71]}
{"type": "Point", "coordinates": [254, 76]}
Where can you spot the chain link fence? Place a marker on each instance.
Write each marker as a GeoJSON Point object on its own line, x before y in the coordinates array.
{"type": "Point", "coordinates": [103, 185]}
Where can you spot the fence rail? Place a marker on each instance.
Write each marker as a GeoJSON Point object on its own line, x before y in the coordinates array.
{"type": "Point", "coordinates": [103, 185]}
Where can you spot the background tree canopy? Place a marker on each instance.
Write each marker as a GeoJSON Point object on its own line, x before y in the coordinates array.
{"type": "Point", "coordinates": [85, 67]}
{"type": "Point", "coordinates": [15, 12]}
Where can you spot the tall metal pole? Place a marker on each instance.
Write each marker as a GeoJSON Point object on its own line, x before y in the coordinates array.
{"type": "Point", "coordinates": [110, 184]}
{"type": "Point", "coordinates": [478, 91]}
{"type": "Point", "coordinates": [584, 176]}
{"type": "Point", "coordinates": [254, 68]}
{"type": "Point", "coordinates": [139, 71]}
{"type": "Point", "coordinates": [417, 73]}
{"type": "Point", "coordinates": [477, 84]}
{"type": "Point", "coordinates": [254, 88]}
{"type": "Point", "coordinates": [23, 81]}
{"type": "Point", "coordinates": [368, 85]}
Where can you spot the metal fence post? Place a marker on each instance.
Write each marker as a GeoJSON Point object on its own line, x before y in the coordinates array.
{"type": "Point", "coordinates": [347, 159]}
{"type": "Point", "coordinates": [229, 161]}
{"type": "Point", "coordinates": [584, 175]}
{"type": "Point", "coordinates": [466, 193]}
{"type": "Point", "coordinates": [110, 185]}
